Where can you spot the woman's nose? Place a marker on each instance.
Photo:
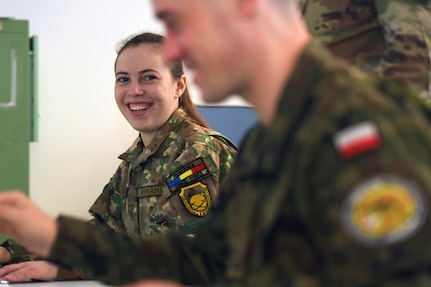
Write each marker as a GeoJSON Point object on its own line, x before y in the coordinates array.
{"type": "Point", "coordinates": [136, 89]}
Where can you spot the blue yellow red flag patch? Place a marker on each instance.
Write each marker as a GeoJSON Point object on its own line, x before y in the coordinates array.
{"type": "Point", "coordinates": [383, 211]}
{"type": "Point", "coordinates": [187, 174]}
{"type": "Point", "coordinates": [357, 139]}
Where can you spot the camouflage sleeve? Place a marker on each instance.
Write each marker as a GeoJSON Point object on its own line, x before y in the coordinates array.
{"type": "Point", "coordinates": [227, 152]}
{"type": "Point", "coordinates": [406, 29]}
{"type": "Point", "coordinates": [192, 198]}
{"type": "Point", "coordinates": [376, 208]}
{"type": "Point", "coordinates": [175, 256]}
{"type": "Point", "coordinates": [105, 210]}
{"type": "Point", "coordinates": [216, 150]}
{"type": "Point", "coordinates": [18, 253]}
{"type": "Point", "coordinates": [66, 273]}
{"type": "Point", "coordinates": [364, 208]}
{"type": "Point", "coordinates": [386, 37]}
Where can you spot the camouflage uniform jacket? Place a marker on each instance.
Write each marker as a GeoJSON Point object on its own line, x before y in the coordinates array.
{"type": "Point", "coordinates": [335, 193]}
{"type": "Point", "coordinates": [389, 37]}
{"type": "Point", "coordinates": [145, 197]}
{"type": "Point", "coordinates": [170, 184]}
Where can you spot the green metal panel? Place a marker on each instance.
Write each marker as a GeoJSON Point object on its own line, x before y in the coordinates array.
{"type": "Point", "coordinates": [14, 105]}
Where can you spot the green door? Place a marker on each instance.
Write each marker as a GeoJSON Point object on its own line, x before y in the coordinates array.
{"type": "Point", "coordinates": [14, 105]}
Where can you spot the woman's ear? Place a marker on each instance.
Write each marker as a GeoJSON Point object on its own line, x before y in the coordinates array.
{"type": "Point", "coordinates": [180, 86]}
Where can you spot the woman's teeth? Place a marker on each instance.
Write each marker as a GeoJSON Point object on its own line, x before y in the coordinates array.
{"type": "Point", "coordinates": [138, 107]}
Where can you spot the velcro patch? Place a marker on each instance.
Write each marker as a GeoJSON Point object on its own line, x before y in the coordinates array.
{"type": "Point", "coordinates": [383, 211]}
{"type": "Point", "coordinates": [154, 190]}
{"type": "Point", "coordinates": [187, 174]}
{"type": "Point", "coordinates": [196, 198]}
{"type": "Point", "coordinates": [357, 139]}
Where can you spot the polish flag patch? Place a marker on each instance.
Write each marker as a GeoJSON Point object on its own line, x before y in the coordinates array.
{"type": "Point", "coordinates": [357, 139]}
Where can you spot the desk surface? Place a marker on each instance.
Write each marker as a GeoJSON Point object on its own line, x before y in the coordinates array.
{"type": "Point", "coordinates": [77, 283]}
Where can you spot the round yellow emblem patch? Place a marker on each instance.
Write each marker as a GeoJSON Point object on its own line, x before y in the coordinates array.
{"type": "Point", "coordinates": [196, 198]}
{"type": "Point", "coordinates": [383, 211]}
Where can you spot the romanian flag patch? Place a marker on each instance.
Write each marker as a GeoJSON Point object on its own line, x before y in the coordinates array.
{"type": "Point", "coordinates": [187, 174]}
{"type": "Point", "coordinates": [357, 139]}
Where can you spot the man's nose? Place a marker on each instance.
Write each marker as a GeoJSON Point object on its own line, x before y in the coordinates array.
{"type": "Point", "coordinates": [171, 49]}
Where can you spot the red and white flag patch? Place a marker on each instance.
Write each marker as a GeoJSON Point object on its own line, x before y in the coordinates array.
{"type": "Point", "coordinates": [357, 139]}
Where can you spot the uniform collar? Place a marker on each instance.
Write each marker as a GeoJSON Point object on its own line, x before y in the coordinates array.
{"type": "Point", "coordinates": [302, 88]}
{"type": "Point", "coordinates": [297, 99]}
{"type": "Point", "coordinates": [138, 152]}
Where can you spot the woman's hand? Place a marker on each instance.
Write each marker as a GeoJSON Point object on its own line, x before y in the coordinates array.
{"type": "Point", "coordinates": [38, 270]}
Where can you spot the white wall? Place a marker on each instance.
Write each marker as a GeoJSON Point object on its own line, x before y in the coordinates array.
{"type": "Point", "coordinates": [81, 131]}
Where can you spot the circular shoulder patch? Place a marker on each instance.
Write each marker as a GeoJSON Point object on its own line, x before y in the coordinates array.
{"type": "Point", "coordinates": [383, 211]}
{"type": "Point", "coordinates": [196, 198]}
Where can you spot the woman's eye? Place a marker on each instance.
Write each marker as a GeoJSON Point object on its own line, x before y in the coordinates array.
{"type": "Point", "coordinates": [150, 77]}
{"type": "Point", "coordinates": [122, 79]}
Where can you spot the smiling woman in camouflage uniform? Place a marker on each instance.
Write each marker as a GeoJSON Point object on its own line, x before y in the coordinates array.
{"type": "Point", "coordinates": [169, 177]}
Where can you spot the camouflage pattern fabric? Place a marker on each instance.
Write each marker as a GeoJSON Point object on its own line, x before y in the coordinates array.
{"type": "Point", "coordinates": [335, 193]}
{"type": "Point", "coordinates": [137, 200]}
{"type": "Point", "coordinates": [391, 38]}
{"type": "Point", "coordinates": [18, 253]}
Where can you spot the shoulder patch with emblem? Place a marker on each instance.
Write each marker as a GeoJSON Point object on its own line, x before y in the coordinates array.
{"type": "Point", "coordinates": [196, 198]}
{"type": "Point", "coordinates": [383, 211]}
{"type": "Point", "coordinates": [357, 139]}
